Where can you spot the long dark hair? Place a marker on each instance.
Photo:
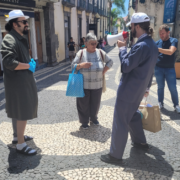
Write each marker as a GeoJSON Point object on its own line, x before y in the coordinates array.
{"type": "Point", "coordinates": [146, 27]}
{"type": "Point", "coordinates": [9, 25]}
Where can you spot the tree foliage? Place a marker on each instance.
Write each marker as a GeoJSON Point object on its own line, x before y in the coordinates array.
{"type": "Point", "coordinates": [117, 12]}
{"type": "Point", "coordinates": [120, 5]}
{"type": "Point", "coordinates": [114, 16]}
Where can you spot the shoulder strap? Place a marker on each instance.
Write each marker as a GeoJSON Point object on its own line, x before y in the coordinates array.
{"type": "Point", "coordinates": [81, 56]}
{"type": "Point", "coordinates": [101, 55]}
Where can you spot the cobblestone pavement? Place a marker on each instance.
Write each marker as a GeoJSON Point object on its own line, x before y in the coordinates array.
{"type": "Point", "coordinates": [66, 152]}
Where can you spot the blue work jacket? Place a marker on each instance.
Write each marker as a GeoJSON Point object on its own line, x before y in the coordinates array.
{"type": "Point", "coordinates": [137, 69]}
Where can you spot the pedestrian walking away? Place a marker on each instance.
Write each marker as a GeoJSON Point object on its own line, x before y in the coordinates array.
{"type": "Point", "coordinates": [137, 68]}
{"type": "Point", "coordinates": [90, 61]}
{"type": "Point", "coordinates": [165, 70]}
{"type": "Point", "coordinates": [71, 46]}
{"type": "Point", "coordinates": [20, 87]}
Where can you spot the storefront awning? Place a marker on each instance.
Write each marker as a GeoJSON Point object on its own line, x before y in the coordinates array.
{"type": "Point", "coordinates": [4, 12]}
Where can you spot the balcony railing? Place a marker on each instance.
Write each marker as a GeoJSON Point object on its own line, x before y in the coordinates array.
{"type": "Point", "coordinates": [68, 3]}
{"type": "Point", "coordinates": [81, 4]}
{"type": "Point", "coordinates": [105, 13]}
{"type": "Point", "coordinates": [100, 11]}
{"type": "Point", "coordinates": [108, 13]}
{"type": "Point", "coordinates": [89, 7]}
{"type": "Point", "coordinates": [95, 9]}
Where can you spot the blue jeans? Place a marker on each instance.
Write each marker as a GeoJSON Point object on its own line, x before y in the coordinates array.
{"type": "Point", "coordinates": [169, 75]}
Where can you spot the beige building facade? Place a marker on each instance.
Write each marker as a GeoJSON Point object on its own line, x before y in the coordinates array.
{"type": "Point", "coordinates": [155, 11]}
{"type": "Point", "coordinates": [36, 36]}
{"type": "Point", "coordinates": [76, 18]}
{"type": "Point", "coordinates": [53, 22]}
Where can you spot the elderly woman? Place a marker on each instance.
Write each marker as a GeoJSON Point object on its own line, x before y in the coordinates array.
{"type": "Point", "coordinates": [90, 61]}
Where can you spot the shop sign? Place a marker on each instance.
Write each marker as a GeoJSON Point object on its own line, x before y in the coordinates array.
{"type": "Point", "coordinates": [27, 3]}
{"type": "Point", "coordinates": [169, 11]}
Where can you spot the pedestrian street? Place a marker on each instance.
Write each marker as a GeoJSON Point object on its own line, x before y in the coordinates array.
{"type": "Point", "coordinates": [65, 152]}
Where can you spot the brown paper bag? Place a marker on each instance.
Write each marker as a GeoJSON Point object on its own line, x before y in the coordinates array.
{"type": "Point", "coordinates": [151, 119]}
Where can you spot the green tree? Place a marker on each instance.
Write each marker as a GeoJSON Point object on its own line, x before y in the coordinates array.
{"type": "Point", "coordinates": [119, 4]}
{"type": "Point", "coordinates": [117, 12]}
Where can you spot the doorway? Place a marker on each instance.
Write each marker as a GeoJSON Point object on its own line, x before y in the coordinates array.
{"type": "Point", "coordinates": [87, 25]}
{"type": "Point", "coordinates": [79, 29]}
{"type": "Point", "coordinates": [67, 35]}
{"type": "Point", "coordinates": [38, 37]}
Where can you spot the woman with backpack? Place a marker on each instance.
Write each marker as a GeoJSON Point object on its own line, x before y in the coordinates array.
{"type": "Point", "coordinates": [93, 64]}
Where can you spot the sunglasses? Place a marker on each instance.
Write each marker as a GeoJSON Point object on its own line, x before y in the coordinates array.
{"type": "Point", "coordinates": [23, 21]}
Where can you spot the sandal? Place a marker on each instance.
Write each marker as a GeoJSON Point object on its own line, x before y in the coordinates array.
{"type": "Point", "coordinates": [26, 138]}
{"type": "Point", "coordinates": [26, 151]}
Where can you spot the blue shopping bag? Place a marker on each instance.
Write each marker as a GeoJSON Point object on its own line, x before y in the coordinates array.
{"type": "Point", "coordinates": [75, 87]}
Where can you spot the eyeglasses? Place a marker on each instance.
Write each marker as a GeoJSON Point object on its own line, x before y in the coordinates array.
{"type": "Point", "coordinates": [93, 44]}
{"type": "Point", "coordinates": [23, 21]}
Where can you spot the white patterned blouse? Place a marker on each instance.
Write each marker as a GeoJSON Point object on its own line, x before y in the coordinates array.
{"type": "Point", "coordinates": [93, 77]}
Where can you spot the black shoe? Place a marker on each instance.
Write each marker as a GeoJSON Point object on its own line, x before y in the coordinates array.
{"type": "Point", "coordinates": [141, 146]}
{"type": "Point", "coordinates": [111, 160]}
{"type": "Point", "coordinates": [85, 126]}
{"type": "Point", "coordinates": [26, 138]}
{"type": "Point", "coordinates": [95, 122]}
{"type": "Point", "coordinates": [26, 151]}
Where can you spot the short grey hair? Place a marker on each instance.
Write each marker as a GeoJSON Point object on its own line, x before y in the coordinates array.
{"type": "Point", "coordinates": [90, 37]}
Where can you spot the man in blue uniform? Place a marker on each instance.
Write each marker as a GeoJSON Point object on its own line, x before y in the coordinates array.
{"type": "Point", "coordinates": [137, 68]}
{"type": "Point", "coordinates": [164, 69]}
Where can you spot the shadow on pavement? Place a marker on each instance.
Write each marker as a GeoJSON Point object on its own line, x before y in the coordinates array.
{"type": "Point", "coordinates": [140, 163]}
{"type": "Point", "coordinates": [19, 162]}
{"type": "Point", "coordinates": [150, 161]}
{"type": "Point", "coordinates": [94, 133]}
{"type": "Point", "coordinates": [172, 114]}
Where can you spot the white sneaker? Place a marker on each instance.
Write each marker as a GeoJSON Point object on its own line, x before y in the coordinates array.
{"type": "Point", "coordinates": [160, 105]}
{"type": "Point", "coordinates": [177, 109]}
